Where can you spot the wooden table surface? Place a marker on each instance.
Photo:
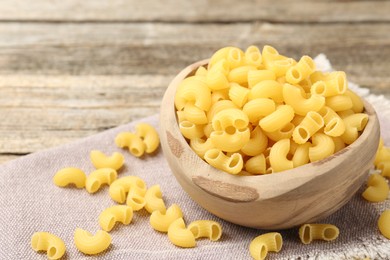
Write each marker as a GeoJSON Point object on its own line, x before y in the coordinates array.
{"type": "Point", "coordinates": [69, 69]}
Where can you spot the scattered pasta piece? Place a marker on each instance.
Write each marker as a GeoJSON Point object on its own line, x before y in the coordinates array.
{"type": "Point", "coordinates": [67, 176]}
{"type": "Point", "coordinates": [91, 244]}
{"type": "Point", "coordinates": [100, 160]}
{"type": "Point", "coordinates": [384, 223]}
{"type": "Point", "coordinates": [377, 189]}
{"type": "Point", "coordinates": [99, 177]}
{"type": "Point", "coordinates": [261, 245]}
{"type": "Point", "coordinates": [53, 245]}
{"type": "Point", "coordinates": [154, 201]}
{"type": "Point", "coordinates": [206, 228]}
{"type": "Point", "coordinates": [149, 136]}
{"type": "Point", "coordinates": [310, 232]}
{"type": "Point", "coordinates": [119, 189]}
{"type": "Point", "coordinates": [179, 235]}
{"type": "Point", "coordinates": [161, 222]}
{"type": "Point", "coordinates": [111, 215]}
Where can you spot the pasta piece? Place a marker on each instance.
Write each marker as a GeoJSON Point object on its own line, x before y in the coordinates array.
{"type": "Point", "coordinates": [235, 58]}
{"type": "Point", "coordinates": [240, 74]}
{"type": "Point", "coordinates": [357, 103]}
{"type": "Point", "coordinates": [100, 160]}
{"type": "Point", "coordinates": [257, 143]}
{"type": "Point", "coordinates": [194, 114]}
{"type": "Point", "coordinates": [377, 189]}
{"type": "Point", "coordinates": [384, 166]}
{"type": "Point", "coordinates": [257, 76]}
{"type": "Point", "coordinates": [201, 146]}
{"type": "Point", "coordinates": [334, 125]}
{"type": "Point", "coordinates": [218, 107]}
{"type": "Point", "coordinates": [219, 55]}
{"type": "Point", "coordinates": [301, 155]}
{"type": "Point", "coordinates": [99, 177]}
{"type": "Point", "coordinates": [120, 188]}
{"type": "Point", "coordinates": [154, 201]}
{"type": "Point", "coordinates": [149, 136]}
{"type": "Point", "coordinates": [180, 118]}
{"type": "Point", "coordinates": [280, 67]}
{"type": "Point", "coordinates": [238, 94]}
{"type": "Point", "coordinates": [278, 156]}
{"type": "Point", "coordinates": [353, 124]}
{"type": "Point", "coordinates": [201, 71]}
{"type": "Point", "coordinates": [256, 164]}
{"type": "Point", "coordinates": [219, 160]}
{"type": "Point", "coordinates": [179, 235]}
{"type": "Point", "coordinates": [52, 244]}
{"type": "Point", "coordinates": [292, 96]}
{"type": "Point", "coordinates": [189, 130]}
{"type": "Point", "coordinates": [310, 232]}
{"type": "Point", "coordinates": [193, 90]}
{"type": "Point", "coordinates": [383, 154]}
{"type": "Point", "coordinates": [323, 146]}
{"type": "Point", "coordinates": [267, 89]}
{"type": "Point", "coordinates": [111, 215]}
{"type": "Point", "coordinates": [253, 56]}
{"type": "Point", "coordinates": [282, 133]}
{"type": "Point", "coordinates": [258, 108]}
{"type": "Point", "coordinates": [384, 223]}
{"type": "Point", "coordinates": [339, 102]}
{"type": "Point", "coordinates": [206, 228]}
{"type": "Point", "coordinates": [91, 244]}
{"type": "Point", "coordinates": [216, 80]}
{"type": "Point", "coordinates": [230, 118]}
{"type": "Point", "coordinates": [207, 130]}
{"type": "Point", "coordinates": [270, 54]}
{"type": "Point", "coordinates": [161, 222]}
{"type": "Point", "coordinates": [135, 199]}
{"type": "Point", "coordinates": [261, 245]}
{"type": "Point", "coordinates": [301, 70]}
{"type": "Point", "coordinates": [338, 144]}
{"type": "Point", "coordinates": [67, 176]}
{"type": "Point", "coordinates": [345, 113]}
{"type": "Point", "coordinates": [310, 124]}
{"type": "Point", "coordinates": [277, 119]}
{"type": "Point", "coordinates": [132, 141]}
{"type": "Point", "coordinates": [230, 140]}
{"type": "Point", "coordinates": [218, 95]}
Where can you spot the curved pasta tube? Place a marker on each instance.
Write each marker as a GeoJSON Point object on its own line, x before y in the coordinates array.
{"type": "Point", "coordinates": [338, 144]}
{"type": "Point", "coordinates": [201, 71]}
{"type": "Point", "coordinates": [301, 155]}
{"type": "Point", "coordinates": [385, 168]}
{"type": "Point", "coordinates": [99, 177]}
{"type": "Point", "coordinates": [117, 213]}
{"type": "Point", "coordinates": [224, 53]}
{"type": "Point", "coordinates": [52, 244]}
{"type": "Point", "coordinates": [282, 133]}
{"type": "Point", "coordinates": [218, 95]}
{"type": "Point", "coordinates": [132, 141]}
{"type": "Point", "coordinates": [310, 232]}
{"type": "Point", "coordinates": [240, 74]}
{"type": "Point", "coordinates": [377, 189]}
{"type": "Point", "coordinates": [334, 125]}
{"type": "Point", "coordinates": [257, 143]}
{"type": "Point", "coordinates": [278, 156]}
{"type": "Point", "coordinates": [206, 228]}
{"type": "Point", "coordinates": [201, 146]}
{"type": "Point", "coordinates": [292, 96]}
{"type": "Point", "coordinates": [161, 222]}
{"type": "Point", "coordinates": [100, 160]}
{"type": "Point", "coordinates": [189, 130]}
{"type": "Point", "coordinates": [238, 94]}
{"type": "Point", "coordinates": [154, 201]}
{"type": "Point", "coordinates": [277, 119]}
{"type": "Point", "coordinates": [339, 102]}
{"type": "Point", "coordinates": [256, 76]}
{"type": "Point", "coordinates": [353, 124]}
{"type": "Point", "coordinates": [310, 124]}
{"type": "Point", "coordinates": [280, 67]}
{"type": "Point", "coordinates": [270, 54]}
{"type": "Point", "coordinates": [67, 176]}
{"type": "Point", "coordinates": [194, 114]}
{"type": "Point", "coordinates": [216, 80]}
{"type": "Point", "coordinates": [345, 113]}
{"type": "Point", "coordinates": [258, 108]}
{"type": "Point", "coordinates": [323, 146]}
{"type": "Point", "coordinates": [227, 118]}
{"type": "Point", "coordinates": [253, 56]}
{"type": "Point", "coordinates": [120, 187]}
{"type": "Point", "coordinates": [260, 245]}
{"type": "Point", "coordinates": [179, 235]}
{"type": "Point", "coordinates": [207, 130]}
{"type": "Point", "coordinates": [149, 136]}
{"type": "Point", "coordinates": [267, 89]}
{"type": "Point", "coordinates": [301, 70]}
{"type": "Point", "coordinates": [256, 164]}
{"type": "Point", "coordinates": [193, 90]}
{"type": "Point", "coordinates": [91, 244]}
{"type": "Point", "coordinates": [382, 154]}
{"type": "Point", "coordinates": [219, 160]}
{"type": "Point", "coordinates": [383, 223]}
{"type": "Point", "coordinates": [357, 102]}
{"type": "Point", "coordinates": [136, 199]}
{"type": "Point", "coordinates": [218, 107]}
{"type": "Point", "coordinates": [230, 141]}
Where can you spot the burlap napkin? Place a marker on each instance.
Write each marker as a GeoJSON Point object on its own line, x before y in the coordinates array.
{"type": "Point", "coordinates": [30, 202]}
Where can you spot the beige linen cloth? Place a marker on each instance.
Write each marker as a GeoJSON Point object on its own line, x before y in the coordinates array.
{"type": "Point", "coordinates": [30, 202]}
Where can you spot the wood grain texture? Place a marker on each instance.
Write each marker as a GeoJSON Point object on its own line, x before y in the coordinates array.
{"type": "Point", "coordinates": [196, 11]}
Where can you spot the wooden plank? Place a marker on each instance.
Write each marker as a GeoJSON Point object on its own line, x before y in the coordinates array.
{"type": "Point", "coordinates": [195, 11]}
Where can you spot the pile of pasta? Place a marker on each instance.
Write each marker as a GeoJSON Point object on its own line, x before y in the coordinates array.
{"type": "Point", "coordinates": [260, 112]}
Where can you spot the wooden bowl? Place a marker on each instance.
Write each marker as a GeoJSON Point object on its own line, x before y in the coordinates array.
{"type": "Point", "coordinates": [275, 201]}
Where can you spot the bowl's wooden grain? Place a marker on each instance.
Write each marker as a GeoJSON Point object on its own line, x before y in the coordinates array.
{"type": "Point", "coordinates": [275, 201]}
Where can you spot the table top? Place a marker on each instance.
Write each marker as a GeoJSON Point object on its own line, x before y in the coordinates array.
{"type": "Point", "coordinates": [69, 69]}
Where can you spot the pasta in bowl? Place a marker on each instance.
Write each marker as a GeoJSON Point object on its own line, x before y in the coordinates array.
{"type": "Point", "coordinates": [290, 196]}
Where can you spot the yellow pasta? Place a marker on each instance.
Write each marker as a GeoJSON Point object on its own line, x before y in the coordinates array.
{"type": "Point", "coordinates": [149, 136]}
{"type": "Point", "coordinates": [100, 160]}
{"type": "Point", "coordinates": [179, 235]}
{"type": "Point", "coordinates": [258, 108]}
{"type": "Point", "coordinates": [132, 141]}
{"type": "Point", "coordinates": [161, 222]}
{"type": "Point", "coordinates": [201, 146]}
{"type": "Point", "coordinates": [257, 76]}
{"type": "Point", "coordinates": [136, 199]}
{"type": "Point", "coordinates": [270, 54]}
{"type": "Point", "coordinates": [257, 143]}
{"type": "Point", "coordinates": [216, 80]}
{"type": "Point", "coordinates": [218, 95]}
{"type": "Point", "coordinates": [310, 232]}
{"type": "Point", "coordinates": [119, 188]}
{"type": "Point", "coordinates": [310, 124]}
{"type": "Point", "coordinates": [384, 166]}
{"type": "Point", "coordinates": [338, 144]}
{"type": "Point", "coordinates": [267, 89]}
{"type": "Point", "coordinates": [323, 146]}
{"type": "Point", "coordinates": [280, 67]}
{"type": "Point", "coordinates": [353, 124]}
{"type": "Point", "coordinates": [230, 118]}
{"type": "Point", "coordinates": [230, 140]}
{"type": "Point", "coordinates": [334, 125]}
{"type": "Point", "coordinates": [238, 94]}
{"type": "Point", "coordinates": [384, 223]}
{"type": "Point", "coordinates": [201, 71]}
{"type": "Point", "coordinates": [52, 244]}
{"type": "Point", "coordinates": [219, 160]}
{"type": "Point", "coordinates": [282, 133]}
{"type": "Point", "coordinates": [91, 244]}
{"type": "Point", "coordinates": [111, 215]}
{"type": "Point", "coordinates": [357, 102]}
{"type": "Point", "coordinates": [240, 74]}
{"type": "Point", "coordinates": [219, 55]}
{"type": "Point", "coordinates": [67, 176]}
{"type": "Point", "coordinates": [253, 56]}
{"type": "Point", "coordinates": [189, 130]}
{"type": "Point", "coordinates": [382, 154]}
{"type": "Point", "coordinates": [292, 96]}
{"type": "Point", "coordinates": [278, 156]}
{"type": "Point", "coordinates": [256, 164]}
{"type": "Point", "coordinates": [301, 155]}
{"type": "Point", "coordinates": [261, 245]}
{"type": "Point", "coordinates": [218, 107]}
{"type": "Point", "coordinates": [377, 189]}
{"type": "Point", "coordinates": [339, 102]}
{"type": "Point", "coordinates": [206, 228]}
{"type": "Point", "coordinates": [154, 201]}
{"type": "Point", "coordinates": [277, 119]}
{"type": "Point", "coordinates": [99, 177]}
{"type": "Point", "coordinates": [195, 91]}
{"type": "Point", "coordinates": [194, 114]}
{"type": "Point", "coordinates": [235, 58]}
{"type": "Point", "coordinates": [301, 70]}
